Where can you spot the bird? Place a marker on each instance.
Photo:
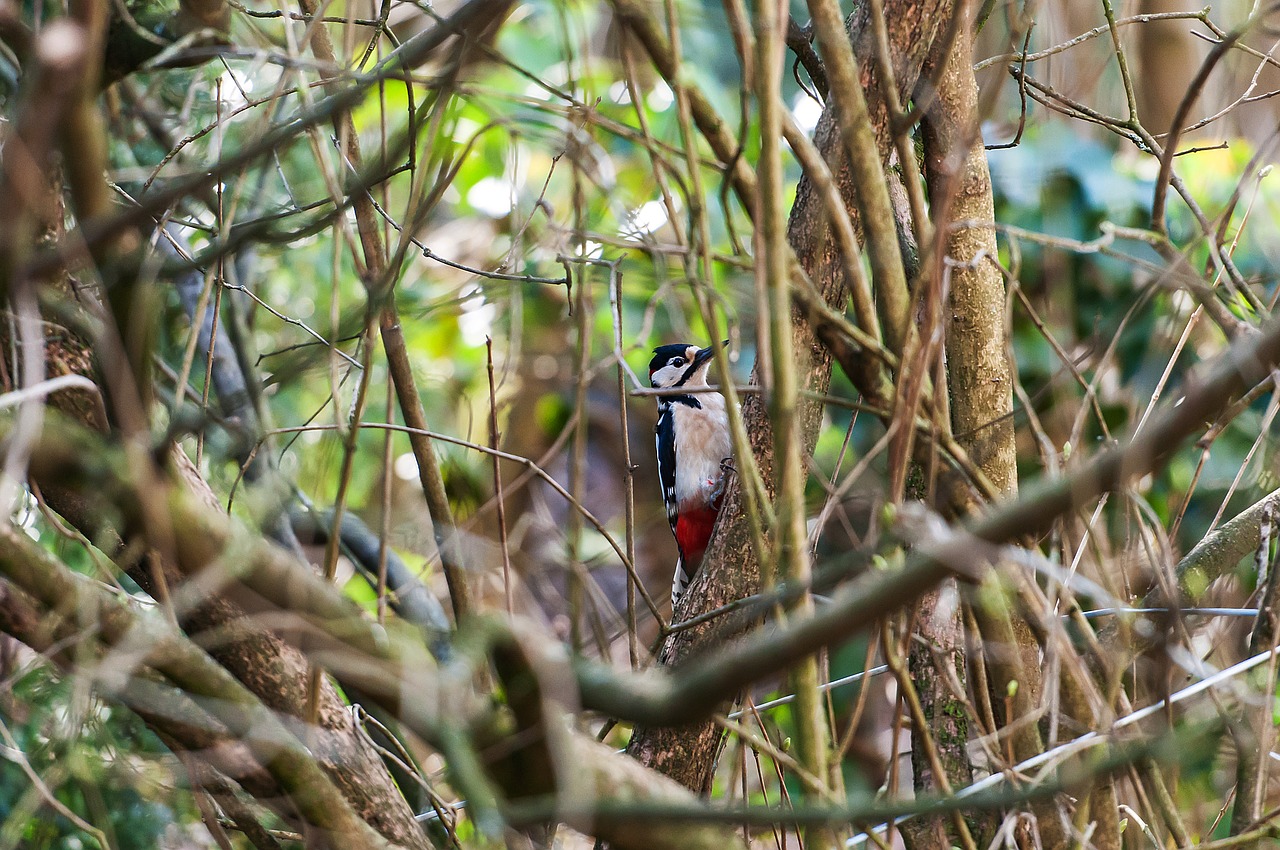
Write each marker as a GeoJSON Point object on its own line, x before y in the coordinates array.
{"type": "Point", "coordinates": [694, 452]}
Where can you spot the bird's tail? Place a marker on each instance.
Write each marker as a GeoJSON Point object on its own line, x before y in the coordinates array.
{"type": "Point", "coordinates": [679, 582]}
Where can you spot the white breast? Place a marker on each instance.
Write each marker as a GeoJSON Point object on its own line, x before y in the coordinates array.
{"type": "Point", "coordinates": [702, 442]}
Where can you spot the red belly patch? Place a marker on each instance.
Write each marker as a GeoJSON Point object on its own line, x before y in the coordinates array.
{"type": "Point", "coordinates": [693, 531]}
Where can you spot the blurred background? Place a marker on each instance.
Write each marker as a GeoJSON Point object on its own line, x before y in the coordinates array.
{"type": "Point", "coordinates": [557, 225]}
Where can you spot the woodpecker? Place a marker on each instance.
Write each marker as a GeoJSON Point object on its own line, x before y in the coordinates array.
{"type": "Point", "coordinates": [693, 452]}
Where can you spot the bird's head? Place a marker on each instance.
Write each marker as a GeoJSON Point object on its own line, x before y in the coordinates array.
{"type": "Point", "coordinates": [680, 365]}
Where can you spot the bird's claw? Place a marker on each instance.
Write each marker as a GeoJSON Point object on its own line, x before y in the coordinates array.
{"type": "Point", "coordinates": [726, 467]}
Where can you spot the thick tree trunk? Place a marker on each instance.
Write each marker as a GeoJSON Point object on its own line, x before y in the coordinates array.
{"type": "Point", "coordinates": [730, 571]}
{"type": "Point", "coordinates": [979, 378]}
{"type": "Point", "coordinates": [980, 381]}
{"type": "Point", "coordinates": [938, 644]}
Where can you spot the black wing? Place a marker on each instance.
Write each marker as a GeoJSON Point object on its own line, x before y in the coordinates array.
{"type": "Point", "coordinates": [666, 443]}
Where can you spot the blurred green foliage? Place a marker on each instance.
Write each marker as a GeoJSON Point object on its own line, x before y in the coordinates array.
{"type": "Point", "coordinates": [98, 761]}
{"type": "Point", "coordinates": [537, 183]}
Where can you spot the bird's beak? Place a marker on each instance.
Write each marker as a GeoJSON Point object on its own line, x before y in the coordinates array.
{"type": "Point", "coordinates": [704, 354]}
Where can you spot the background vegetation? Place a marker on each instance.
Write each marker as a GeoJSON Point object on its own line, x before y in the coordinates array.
{"type": "Point", "coordinates": [331, 509]}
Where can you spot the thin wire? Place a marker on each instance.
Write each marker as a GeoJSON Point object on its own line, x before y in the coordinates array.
{"type": "Point", "coordinates": [764, 706]}
{"type": "Point", "coordinates": [1096, 612]}
{"type": "Point", "coordinates": [1035, 760]}
{"type": "Point", "coordinates": [1090, 738]}
{"type": "Point", "coordinates": [1201, 612]}
{"type": "Point", "coordinates": [835, 683]}
{"type": "Point", "coordinates": [432, 814]}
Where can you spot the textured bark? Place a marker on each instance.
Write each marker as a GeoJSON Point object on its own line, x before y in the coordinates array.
{"type": "Point", "coordinates": [547, 757]}
{"type": "Point", "coordinates": [938, 642]}
{"type": "Point", "coordinates": [272, 669]}
{"type": "Point", "coordinates": [980, 394]}
{"type": "Point", "coordinates": [978, 370]}
{"type": "Point", "coordinates": [1218, 553]}
{"type": "Point", "coordinates": [1255, 733]}
{"type": "Point", "coordinates": [174, 686]}
{"type": "Point", "coordinates": [180, 723]}
{"type": "Point", "coordinates": [260, 660]}
{"type": "Point", "coordinates": [542, 759]}
{"type": "Point", "coordinates": [730, 571]}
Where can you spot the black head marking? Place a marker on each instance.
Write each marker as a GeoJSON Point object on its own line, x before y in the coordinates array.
{"type": "Point", "coordinates": [662, 356]}
{"type": "Point", "coordinates": [678, 355]}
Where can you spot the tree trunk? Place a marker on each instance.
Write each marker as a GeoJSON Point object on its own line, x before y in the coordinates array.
{"type": "Point", "coordinates": [729, 571]}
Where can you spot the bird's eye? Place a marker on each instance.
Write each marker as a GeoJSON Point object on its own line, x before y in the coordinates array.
{"type": "Point", "coordinates": [677, 361]}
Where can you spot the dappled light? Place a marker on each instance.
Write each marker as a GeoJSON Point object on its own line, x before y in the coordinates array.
{"type": "Point", "coordinates": [641, 425]}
